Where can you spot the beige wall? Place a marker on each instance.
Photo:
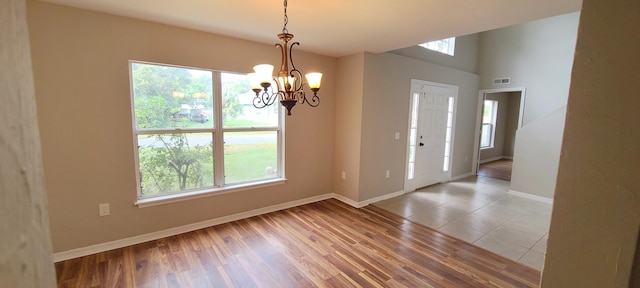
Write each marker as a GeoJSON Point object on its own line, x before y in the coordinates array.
{"type": "Point", "coordinates": [465, 56]}
{"type": "Point", "coordinates": [385, 110]}
{"type": "Point", "coordinates": [25, 244]}
{"type": "Point", "coordinates": [513, 116]}
{"type": "Point", "coordinates": [348, 125]}
{"type": "Point", "coordinates": [596, 212]}
{"type": "Point", "coordinates": [538, 56]}
{"type": "Point", "coordinates": [80, 62]}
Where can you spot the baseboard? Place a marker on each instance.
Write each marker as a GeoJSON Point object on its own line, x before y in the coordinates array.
{"type": "Point", "coordinates": [366, 202]}
{"type": "Point", "coordinates": [346, 200]}
{"type": "Point", "coordinates": [531, 196]}
{"type": "Point", "coordinates": [455, 178]}
{"type": "Point", "coordinates": [84, 251]}
{"type": "Point", "coordinates": [491, 159]}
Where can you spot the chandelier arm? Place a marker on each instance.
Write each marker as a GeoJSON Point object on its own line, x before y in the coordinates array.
{"type": "Point", "coordinates": [314, 102]}
{"type": "Point", "coordinates": [293, 66]}
{"type": "Point", "coordinates": [299, 80]}
{"type": "Point", "coordinates": [284, 66]}
{"type": "Point", "coordinates": [264, 98]}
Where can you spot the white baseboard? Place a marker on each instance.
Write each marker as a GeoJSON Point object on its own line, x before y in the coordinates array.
{"type": "Point", "coordinates": [366, 202]}
{"type": "Point", "coordinates": [531, 196]}
{"type": "Point", "coordinates": [84, 251]}
{"type": "Point", "coordinates": [454, 178]}
{"type": "Point", "coordinates": [346, 200]}
{"type": "Point", "coordinates": [491, 159]}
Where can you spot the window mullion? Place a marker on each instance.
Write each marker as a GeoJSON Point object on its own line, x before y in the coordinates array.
{"type": "Point", "coordinates": [218, 134]}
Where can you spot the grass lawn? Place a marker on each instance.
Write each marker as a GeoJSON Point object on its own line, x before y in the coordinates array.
{"type": "Point", "coordinates": [244, 162]}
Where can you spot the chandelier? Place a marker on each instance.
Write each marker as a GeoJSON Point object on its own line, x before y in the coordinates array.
{"type": "Point", "coordinates": [289, 82]}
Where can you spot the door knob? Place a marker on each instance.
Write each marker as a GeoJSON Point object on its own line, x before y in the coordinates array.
{"type": "Point", "coordinates": [421, 144]}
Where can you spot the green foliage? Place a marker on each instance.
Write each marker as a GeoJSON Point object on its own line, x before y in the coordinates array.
{"type": "Point", "coordinates": [171, 164]}
{"type": "Point", "coordinates": [153, 112]}
{"type": "Point", "coordinates": [160, 92]}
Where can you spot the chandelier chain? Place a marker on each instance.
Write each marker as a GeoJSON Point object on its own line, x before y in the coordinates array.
{"type": "Point", "coordinates": [286, 19]}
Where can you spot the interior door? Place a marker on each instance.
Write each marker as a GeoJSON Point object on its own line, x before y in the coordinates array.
{"type": "Point", "coordinates": [428, 130]}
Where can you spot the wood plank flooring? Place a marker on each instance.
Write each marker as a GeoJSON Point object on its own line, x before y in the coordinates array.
{"type": "Point", "coordinates": [499, 169]}
{"type": "Point", "coordinates": [323, 244]}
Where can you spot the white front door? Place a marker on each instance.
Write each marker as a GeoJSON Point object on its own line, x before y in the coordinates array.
{"type": "Point", "coordinates": [430, 134]}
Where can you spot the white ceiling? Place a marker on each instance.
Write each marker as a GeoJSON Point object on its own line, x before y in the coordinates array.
{"type": "Point", "coordinates": [336, 27]}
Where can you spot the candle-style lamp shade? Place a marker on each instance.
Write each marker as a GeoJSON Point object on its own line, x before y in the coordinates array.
{"type": "Point", "coordinates": [264, 72]}
{"type": "Point", "coordinates": [313, 79]}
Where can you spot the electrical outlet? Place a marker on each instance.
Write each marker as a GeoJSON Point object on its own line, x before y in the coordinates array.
{"type": "Point", "coordinates": [397, 136]}
{"type": "Point", "coordinates": [103, 209]}
{"type": "Point", "coordinates": [344, 175]}
{"type": "Point", "coordinates": [388, 174]}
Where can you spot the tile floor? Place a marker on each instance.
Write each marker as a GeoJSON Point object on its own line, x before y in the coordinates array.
{"type": "Point", "coordinates": [480, 211]}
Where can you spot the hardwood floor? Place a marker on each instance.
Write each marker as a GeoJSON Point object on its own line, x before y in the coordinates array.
{"type": "Point", "coordinates": [499, 169]}
{"type": "Point", "coordinates": [323, 244]}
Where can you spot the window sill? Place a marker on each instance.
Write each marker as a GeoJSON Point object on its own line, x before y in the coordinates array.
{"type": "Point", "coordinates": [166, 199]}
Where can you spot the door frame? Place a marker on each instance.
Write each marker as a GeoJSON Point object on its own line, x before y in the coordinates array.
{"type": "Point", "coordinates": [453, 127]}
{"type": "Point", "coordinates": [481, 97]}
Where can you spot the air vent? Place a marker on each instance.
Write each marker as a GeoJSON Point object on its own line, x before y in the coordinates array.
{"type": "Point", "coordinates": [502, 81]}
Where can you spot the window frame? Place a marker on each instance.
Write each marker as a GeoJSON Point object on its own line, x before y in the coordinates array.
{"type": "Point", "coordinates": [217, 132]}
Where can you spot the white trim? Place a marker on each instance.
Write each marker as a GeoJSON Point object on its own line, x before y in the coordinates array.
{"type": "Point", "coordinates": [346, 200]}
{"type": "Point", "coordinates": [455, 178]}
{"type": "Point", "coordinates": [366, 202]}
{"type": "Point", "coordinates": [184, 196]}
{"type": "Point", "coordinates": [492, 159]}
{"type": "Point", "coordinates": [97, 248]}
{"type": "Point", "coordinates": [531, 196]}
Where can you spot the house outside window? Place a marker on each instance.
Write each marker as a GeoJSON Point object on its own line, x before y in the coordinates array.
{"type": "Point", "coordinates": [489, 118]}
{"type": "Point", "coordinates": [194, 132]}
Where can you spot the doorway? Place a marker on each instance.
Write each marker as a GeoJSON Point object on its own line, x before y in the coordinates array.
{"type": "Point", "coordinates": [500, 114]}
{"type": "Point", "coordinates": [431, 133]}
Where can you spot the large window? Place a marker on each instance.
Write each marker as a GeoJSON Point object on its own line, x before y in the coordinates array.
{"type": "Point", "coordinates": [489, 117]}
{"type": "Point", "coordinates": [196, 131]}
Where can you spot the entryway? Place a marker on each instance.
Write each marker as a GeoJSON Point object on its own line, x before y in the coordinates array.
{"type": "Point", "coordinates": [500, 113]}
{"type": "Point", "coordinates": [431, 133]}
